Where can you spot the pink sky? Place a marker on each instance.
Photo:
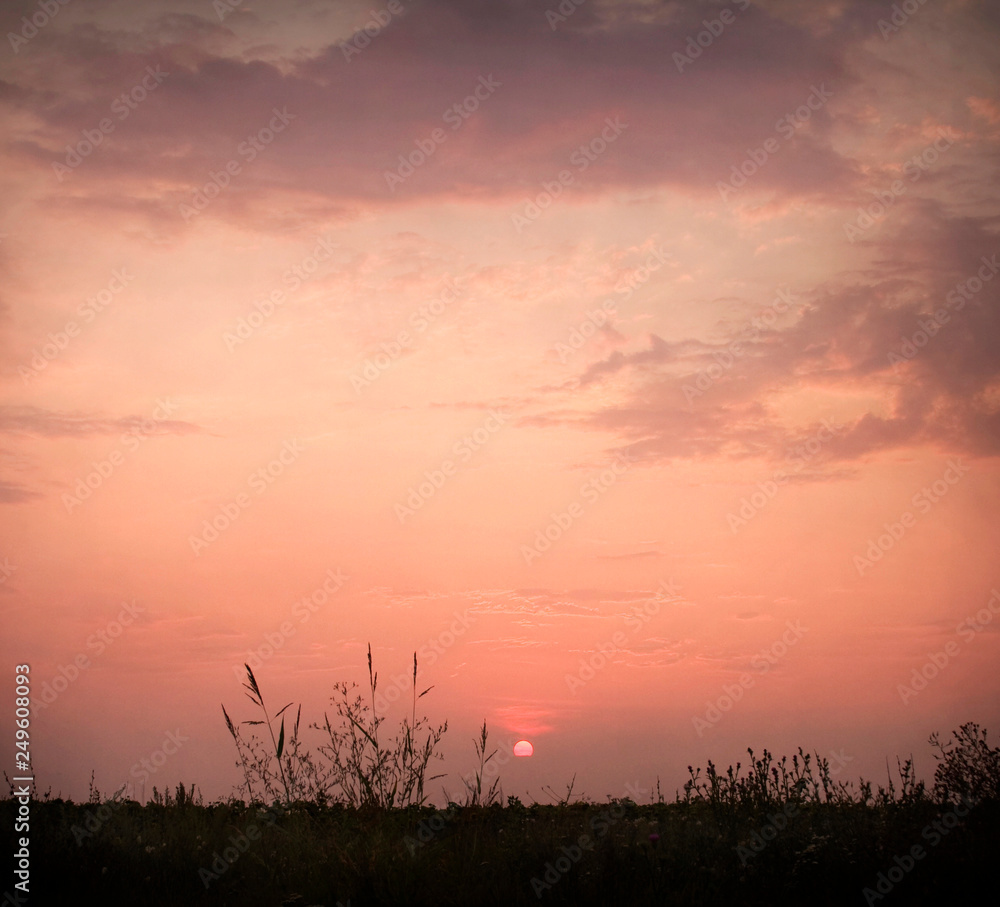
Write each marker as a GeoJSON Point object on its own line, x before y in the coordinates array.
{"type": "Point", "coordinates": [612, 381]}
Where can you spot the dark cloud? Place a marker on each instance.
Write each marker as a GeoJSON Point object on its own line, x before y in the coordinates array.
{"type": "Point", "coordinates": [554, 91]}
{"type": "Point", "coordinates": [940, 375]}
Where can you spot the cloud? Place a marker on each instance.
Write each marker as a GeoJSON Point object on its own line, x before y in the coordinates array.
{"type": "Point", "coordinates": [503, 144]}
{"type": "Point", "coordinates": [509, 642]}
{"type": "Point", "coordinates": [12, 493]}
{"type": "Point", "coordinates": [918, 331]}
{"type": "Point", "coordinates": [628, 557]}
{"type": "Point", "coordinates": [33, 421]}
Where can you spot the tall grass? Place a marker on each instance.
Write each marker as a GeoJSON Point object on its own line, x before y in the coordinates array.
{"type": "Point", "coordinates": [474, 795]}
{"type": "Point", "coordinates": [356, 766]}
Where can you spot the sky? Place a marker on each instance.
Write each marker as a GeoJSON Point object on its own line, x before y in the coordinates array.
{"type": "Point", "coordinates": [634, 363]}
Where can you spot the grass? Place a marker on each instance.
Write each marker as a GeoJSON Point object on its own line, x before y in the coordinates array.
{"type": "Point", "coordinates": [351, 825]}
{"type": "Point", "coordinates": [355, 766]}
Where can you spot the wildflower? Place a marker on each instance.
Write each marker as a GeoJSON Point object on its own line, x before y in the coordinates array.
{"type": "Point", "coordinates": [654, 839]}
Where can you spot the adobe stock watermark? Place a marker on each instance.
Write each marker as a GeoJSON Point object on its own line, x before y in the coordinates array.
{"type": "Point", "coordinates": [839, 759]}
{"type": "Point", "coordinates": [292, 280]}
{"type": "Point", "coordinates": [239, 844]}
{"type": "Point", "coordinates": [923, 501]}
{"type": "Point", "coordinates": [735, 350]}
{"type": "Point", "coordinates": [785, 127]}
{"type": "Point", "coordinates": [932, 324]}
{"type": "Point", "coordinates": [97, 643]}
{"type": "Point", "coordinates": [762, 663]}
{"type": "Point", "coordinates": [401, 685]}
{"type": "Point", "coordinates": [102, 470]}
{"type": "Point", "coordinates": [121, 107]}
{"type": "Point", "coordinates": [933, 833]}
{"type": "Point", "coordinates": [259, 481]}
{"type": "Point", "coordinates": [585, 155]}
{"type": "Point", "coordinates": [901, 14]}
{"type": "Point", "coordinates": [94, 821]}
{"type": "Point", "coordinates": [455, 116]}
{"type": "Point", "coordinates": [7, 570]}
{"type": "Point", "coordinates": [428, 829]}
{"type": "Point", "coordinates": [766, 491]}
{"type": "Point", "coordinates": [144, 768]}
{"type": "Point", "coordinates": [392, 350]}
{"type": "Point", "coordinates": [590, 491]}
{"type": "Point", "coordinates": [598, 318]}
{"type": "Point", "coordinates": [938, 661]}
{"type": "Point", "coordinates": [666, 593]}
{"type": "Point", "coordinates": [914, 168]}
{"type": "Point", "coordinates": [368, 32]}
{"type": "Point", "coordinates": [434, 479]}
{"type": "Point", "coordinates": [776, 823]}
{"type": "Point", "coordinates": [556, 15]}
{"type": "Point", "coordinates": [225, 8]}
{"type": "Point", "coordinates": [88, 310]}
{"type": "Point", "coordinates": [303, 609]}
{"type": "Point", "coordinates": [249, 149]}
{"type": "Point", "coordinates": [504, 753]}
{"type": "Point", "coordinates": [697, 43]}
{"type": "Point", "coordinates": [556, 869]}
{"type": "Point", "coordinates": [46, 11]}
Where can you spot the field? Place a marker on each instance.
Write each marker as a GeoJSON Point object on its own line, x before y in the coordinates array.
{"type": "Point", "coordinates": [781, 832]}
{"type": "Point", "coordinates": [349, 825]}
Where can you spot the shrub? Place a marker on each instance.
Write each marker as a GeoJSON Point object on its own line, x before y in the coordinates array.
{"type": "Point", "coordinates": [967, 767]}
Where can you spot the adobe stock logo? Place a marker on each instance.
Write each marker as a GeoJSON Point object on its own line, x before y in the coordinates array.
{"type": "Point", "coordinates": [556, 15]}
{"type": "Point", "coordinates": [786, 127]}
{"type": "Point", "coordinates": [368, 32]}
{"type": "Point", "coordinates": [259, 480]}
{"type": "Point", "coordinates": [585, 155]}
{"type": "Point", "coordinates": [697, 43]}
{"type": "Point", "coordinates": [901, 14]}
{"type": "Point", "coordinates": [456, 117]}
{"type": "Point", "coordinates": [924, 500]}
{"type": "Point", "coordinates": [590, 491]}
{"type": "Point", "coordinates": [121, 107]}
{"type": "Point", "coordinates": [434, 479]}
{"type": "Point", "coordinates": [762, 662]}
{"type": "Point", "coordinates": [46, 11]}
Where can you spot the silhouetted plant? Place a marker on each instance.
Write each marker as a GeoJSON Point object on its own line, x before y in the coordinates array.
{"type": "Point", "coordinates": [968, 768]}
{"type": "Point", "coordinates": [770, 785]}
{"type": "Point", "coordinates": [911, 790]}
{"type": "Point", "coordinates": [560, 800]}
{"type": "Point", "coordinates": [300, 778]}
{"type": "Point", "coordinates": [474, 791]}
{"type": "Point", "coordinates": [360, 770]}
{"type": "Point", "coordinates": [367, 772]}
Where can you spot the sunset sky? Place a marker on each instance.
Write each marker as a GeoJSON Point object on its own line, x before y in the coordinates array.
{"type": "Point", "coordinates": [622, 358]}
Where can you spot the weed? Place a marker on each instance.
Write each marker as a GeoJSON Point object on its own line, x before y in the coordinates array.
{"type": "Point", "coordinates": [474, 791]}
{"type": "Point", "coordinates": [968, 768]}
{"type": "Point", "coordinates": [359, 769]}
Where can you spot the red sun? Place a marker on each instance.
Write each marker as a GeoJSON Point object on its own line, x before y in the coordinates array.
{"type": "Point", "coordinates": [523, 748]}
